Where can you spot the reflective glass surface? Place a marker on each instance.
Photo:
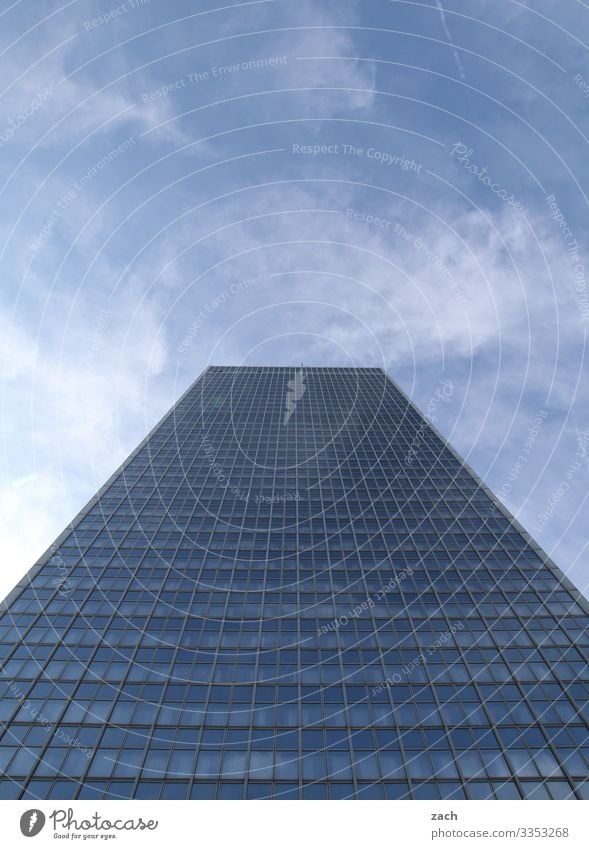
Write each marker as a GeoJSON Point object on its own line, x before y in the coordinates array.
{"type": "Point", "coordinates": [294, 589]}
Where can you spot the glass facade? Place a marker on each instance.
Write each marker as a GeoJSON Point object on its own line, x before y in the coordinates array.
{"type": "Point", "coordinates": [294, 589]}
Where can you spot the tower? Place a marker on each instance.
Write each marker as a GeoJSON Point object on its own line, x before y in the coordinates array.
{"type": "Point", "coordinates": [294, 588]}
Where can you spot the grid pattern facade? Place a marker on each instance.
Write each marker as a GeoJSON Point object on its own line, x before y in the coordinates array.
{"type": "Point", "coordinates": [294, 589]}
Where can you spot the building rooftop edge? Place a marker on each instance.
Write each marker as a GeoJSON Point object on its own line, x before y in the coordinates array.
{"type": "Point", "coordinates": [317, 368]}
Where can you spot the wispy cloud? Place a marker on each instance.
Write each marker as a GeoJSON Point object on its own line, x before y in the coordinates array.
{"type": "Point", "coordinates": [450, 41]}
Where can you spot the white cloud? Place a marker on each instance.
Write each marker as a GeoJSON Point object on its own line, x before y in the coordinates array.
{"type": "Point", "coordinates": [73, 410]}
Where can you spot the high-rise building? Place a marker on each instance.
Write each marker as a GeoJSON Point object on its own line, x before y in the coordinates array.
{"type": "Point", "coordinates": [294, 588]}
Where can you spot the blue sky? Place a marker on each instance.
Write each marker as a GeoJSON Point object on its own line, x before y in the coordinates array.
{"type": "Point", "coordinates": [385, 183]}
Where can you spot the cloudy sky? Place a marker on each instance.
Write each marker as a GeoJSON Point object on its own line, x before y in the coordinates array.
{"type": "Point", "coordinates": [386, 182]}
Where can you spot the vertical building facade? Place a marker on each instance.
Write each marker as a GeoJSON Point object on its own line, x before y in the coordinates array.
{"type": "Point", "coordinates": [295, 589]}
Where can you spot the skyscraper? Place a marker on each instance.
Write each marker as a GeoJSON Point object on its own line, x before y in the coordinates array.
{"type": "Point", "coordinates": [294, 588]}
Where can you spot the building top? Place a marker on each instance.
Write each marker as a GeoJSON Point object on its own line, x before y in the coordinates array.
{"type": "Point", "coordinates": [302, 365]}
